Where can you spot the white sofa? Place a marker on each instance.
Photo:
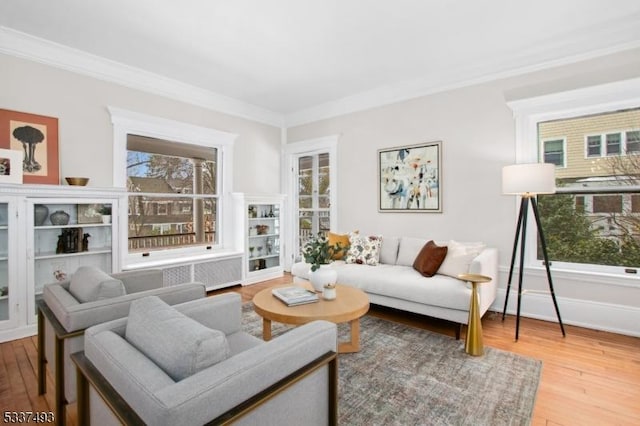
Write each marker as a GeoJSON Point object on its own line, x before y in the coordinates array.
{"type": "Point", "coordinates": [396, 284]}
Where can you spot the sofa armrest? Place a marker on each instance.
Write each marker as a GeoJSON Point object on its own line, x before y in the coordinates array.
{"type": "Point", "coordinates": [228, 383]}
{"type": "Point", "coordinates": [486, 263]}
{"type": "Point", "coordinates": [77, 316]}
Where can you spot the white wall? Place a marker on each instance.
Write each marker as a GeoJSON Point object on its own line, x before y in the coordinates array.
{"type": "Point", "coordinates": [477, 130]}
{"type": "Point", "coordinates": [85, 130]}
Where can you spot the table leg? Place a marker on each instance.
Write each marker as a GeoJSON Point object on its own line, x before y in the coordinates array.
{"type": "Point", "coordinates": [266, 329]}
{"type": "Point", "coordinates": [473, 344]}
{"type": "Point", "coordinates": [354, 344]}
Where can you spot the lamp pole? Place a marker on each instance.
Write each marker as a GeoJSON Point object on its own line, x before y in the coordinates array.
{"type": "Point", "coordinates": [521, 233]}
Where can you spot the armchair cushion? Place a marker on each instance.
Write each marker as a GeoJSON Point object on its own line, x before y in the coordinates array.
{"type": "Point", "coordinates": [89, 284]}
{"type": "Point", "coordinates": [178, 344]}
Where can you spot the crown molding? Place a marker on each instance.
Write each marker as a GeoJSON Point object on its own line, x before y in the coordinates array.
{"type": "Point", "coordinates": [21, 45]}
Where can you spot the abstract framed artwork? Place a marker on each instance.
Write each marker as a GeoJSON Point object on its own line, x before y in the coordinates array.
{"type": "Point", "coordinates": [10, 166]}
{"type": "Point", "coordinates": [410, 178]}
{"type": "Point", "coordinates": [37, 137]}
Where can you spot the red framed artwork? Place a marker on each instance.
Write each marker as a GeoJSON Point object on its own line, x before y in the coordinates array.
{"type": "Point", "coordinates": [37, 137]}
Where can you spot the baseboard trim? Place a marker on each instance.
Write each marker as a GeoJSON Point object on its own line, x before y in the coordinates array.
{"type": "Point", "coordinates": [18, 333]}
{"type": "Point", "coordinates": [609, 317]}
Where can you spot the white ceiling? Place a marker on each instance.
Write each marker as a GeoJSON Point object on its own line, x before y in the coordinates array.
{"type": "Point", "coordinates": [291, 56]}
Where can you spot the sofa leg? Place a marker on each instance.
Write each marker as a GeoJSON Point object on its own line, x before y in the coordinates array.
{"type": "Point", "coordinates": [458, 330]}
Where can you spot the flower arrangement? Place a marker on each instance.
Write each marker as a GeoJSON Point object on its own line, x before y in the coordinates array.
{"type": "Point", "coordinates": [105, 210]}
{"type": "Point", "coordinates": [317, 251]}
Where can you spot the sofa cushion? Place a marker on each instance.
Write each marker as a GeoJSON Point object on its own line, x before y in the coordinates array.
{"type": "Point", "coordinates": [178, 344]}
{"type": "Point", "coordinates": [459, 258]}
{"type": "Point", "coordinates": [343, 240]}
{"type": "Point", "coordinates": [364, 250]}
{"type": "Point", "coordinates": [389, 250]}
{"type": "Point", "coordinates": [429, 259]}
{"type": "Point", "coordinates": [89, 284]}
{"type": "Point", "coordinates": [409, 249]}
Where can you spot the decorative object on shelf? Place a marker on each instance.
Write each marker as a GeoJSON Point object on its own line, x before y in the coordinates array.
{"type": "Point", "coordinates": [271, 211]}
{"type": "Point", "coordinates": [329, 292]}
{"type": "Point", "coordinates": [252, 231]}
{"type": "Point", "coordinates": [105, 211]}
{"type": "Point", "coordinates": [4, 291]}
{"type": "Point", "coordinates": [40, 214]}
{"type": "Point", "coordinates": [85, 242]}
{"type": "Point", "coordinates": [70, 241]}
{"type": "Point", "coordinates": [89, 213]}
{"type": "Point", "coordinates": [529, 180]}
{"type": "Point", "coordinates": [59, 275]}
{"type": "Point", "coordinates": [59, 218]}
{"type": "Point", "coordinates": [251, 249]}
{"type": "Point", "coordinates": [10, 166]}
{"type": "Point", "coordinates": [269, 245]}
{"type": "Point", "coordinates": [410, 178]}
{"type": "Point", "coordinates": [262, 229]}
{"type": "Point", "coordinates": [253, 213]}
{"type": "Point", "coordinates": [37, 137]}
{"type": "Point", "coordinates": [77, 181]}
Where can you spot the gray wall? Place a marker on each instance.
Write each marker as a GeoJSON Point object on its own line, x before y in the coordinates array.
{"type": "Point", "coordinates": [85, 130]}
{"type": "Point", "coordinates": [477, 130]}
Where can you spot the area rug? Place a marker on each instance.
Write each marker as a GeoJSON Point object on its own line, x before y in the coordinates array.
{"type": "Point", "coordinates": [409, 376]}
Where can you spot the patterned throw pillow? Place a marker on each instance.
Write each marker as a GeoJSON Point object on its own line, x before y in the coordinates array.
{"type": "Point", "coordinates": [363, 250]}
{"type": "Point", "coordinates": [343, 240]}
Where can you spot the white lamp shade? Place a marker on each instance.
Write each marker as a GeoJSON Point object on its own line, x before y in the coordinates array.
{"type": "Point", "coordinates": [536, 178]}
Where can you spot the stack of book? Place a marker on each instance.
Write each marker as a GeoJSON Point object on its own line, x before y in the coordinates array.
{"type": "Point", "coordinates": [293, 296]}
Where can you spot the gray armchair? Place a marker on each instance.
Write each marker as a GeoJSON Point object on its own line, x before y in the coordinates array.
{"type": "Point", "coordinates": [138, 374]}
{"type": "Point", "coordinates": [63, 318]}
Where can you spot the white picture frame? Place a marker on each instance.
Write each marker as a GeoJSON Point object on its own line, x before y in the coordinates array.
{"type": "Point", "coordinates": [11, 166]}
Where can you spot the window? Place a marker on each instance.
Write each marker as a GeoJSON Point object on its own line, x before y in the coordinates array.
{"type": "Point", "coordinates": [613, 144]}
{"type": "Point", "coordinates": [175, 175]}
{"type": "Point", "coordinates": [616, 143]}
{"type": "Point", "coordinates": [172, 187]}
{"type": "Point", "coordinates": [554, 152]}
{"type": "Point", "coordinates": [591, 219]}
{"type": "Point", "coordinates": [633, 142]}
{"type": "Point", "coordinates": [594, 146]}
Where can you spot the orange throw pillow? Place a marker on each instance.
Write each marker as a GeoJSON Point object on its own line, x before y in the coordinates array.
{"type": "Point", "coordinates": [344, 244]}
{"type": "Point", "coordinates": [429, 259]}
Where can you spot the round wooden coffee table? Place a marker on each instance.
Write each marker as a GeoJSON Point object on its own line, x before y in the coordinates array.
{"type": "Point", "coordinates": [349, 305]}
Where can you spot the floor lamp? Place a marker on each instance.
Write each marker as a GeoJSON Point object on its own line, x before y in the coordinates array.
{"type": "Point", "coordinates": [528, 180]}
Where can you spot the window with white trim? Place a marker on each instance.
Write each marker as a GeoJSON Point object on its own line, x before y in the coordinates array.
{"type": "Point", "coordinates": [173, 191]}
{"type": "Point", "coordinates": [553, 151]}
{"type": "Point", "coordinates": [176, 176]}
{"type": "Point", "coordinates": [590, 220]}
{"type": "Point", "coordinates": [616, 143]}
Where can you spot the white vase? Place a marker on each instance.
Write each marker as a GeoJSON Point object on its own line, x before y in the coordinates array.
{"type": "Point", "coordinates": [325, 275]}
{"type": "Point", "coordinates": [106, 218]}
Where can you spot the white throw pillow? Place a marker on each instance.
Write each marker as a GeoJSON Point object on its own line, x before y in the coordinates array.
{"type": "Point", "coordinates": [364, 250]}
{"type": "Point", "coordinates": [409, 250]}
{"type": "Point", "coordinates": [179, 345]}
{"type": "Point", "coordinates": [459, 258]}
{"type": "Point", "coordinates": [89, 284]}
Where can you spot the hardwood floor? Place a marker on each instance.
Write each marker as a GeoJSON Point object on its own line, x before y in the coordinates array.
{"type": "Point", "coordinates": [588, 378]}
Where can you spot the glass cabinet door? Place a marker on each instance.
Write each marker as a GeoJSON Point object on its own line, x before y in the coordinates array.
{"type": "Point", "coordinates": [6, 298]}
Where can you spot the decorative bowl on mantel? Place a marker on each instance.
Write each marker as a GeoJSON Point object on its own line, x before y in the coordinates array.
{"type": "Point", "coordinates": [77, 181]}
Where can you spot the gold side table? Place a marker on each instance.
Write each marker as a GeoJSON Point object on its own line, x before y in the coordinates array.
{"type": "Point", "coordinates": [473, 344]}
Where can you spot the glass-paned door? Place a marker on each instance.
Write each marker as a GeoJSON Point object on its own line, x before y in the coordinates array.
{"type": "Point", "coordinates": [313, 202]}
